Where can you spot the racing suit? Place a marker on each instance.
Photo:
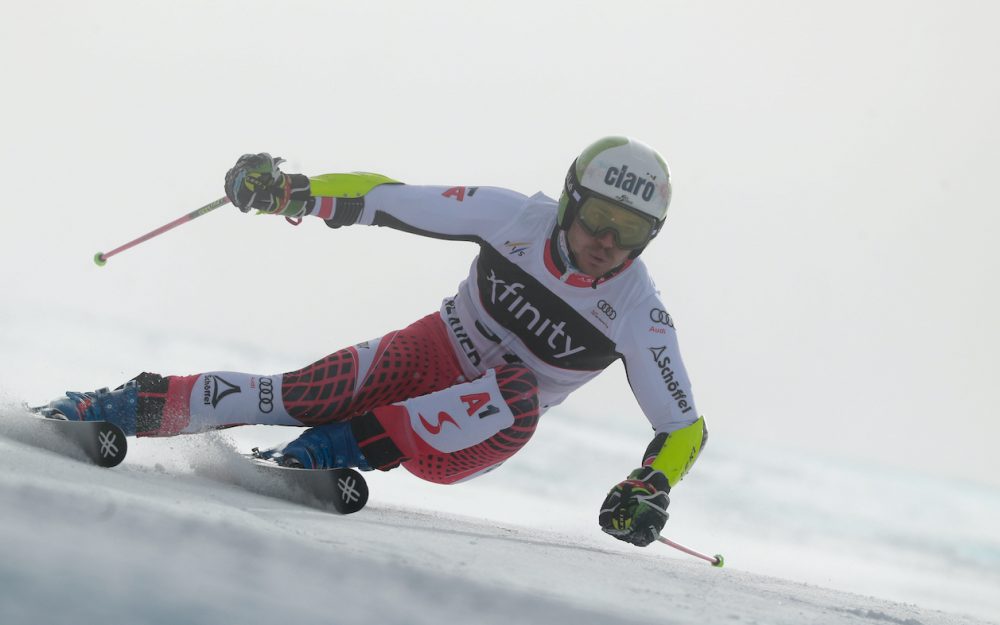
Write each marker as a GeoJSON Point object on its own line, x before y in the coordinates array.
{"type": "Point", "coordinates": [458, 392]}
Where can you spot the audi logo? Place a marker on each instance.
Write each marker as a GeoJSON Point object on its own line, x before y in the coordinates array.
{"type": "Point", "coordinates": [266, 395]}
{"type": "Point", "coordinates": [606, 308]}
{"type": "Point", "coordinates": [661, 316]}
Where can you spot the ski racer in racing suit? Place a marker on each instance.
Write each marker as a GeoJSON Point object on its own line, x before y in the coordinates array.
{"type": "Point", "coordinates": [556, 294]}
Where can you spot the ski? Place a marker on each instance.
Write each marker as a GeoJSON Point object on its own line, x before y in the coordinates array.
{"type": "Point", "coordinates": [99, 442]}
{"type": "Point", "coordinates": [345, 490]}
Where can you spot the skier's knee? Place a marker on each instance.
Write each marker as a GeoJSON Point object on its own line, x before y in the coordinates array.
{"type": "Point", "coordinates": [519, 388]}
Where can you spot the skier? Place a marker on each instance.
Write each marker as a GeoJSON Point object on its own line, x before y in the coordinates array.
{"type": "Point", "coordinates": [557, 293]}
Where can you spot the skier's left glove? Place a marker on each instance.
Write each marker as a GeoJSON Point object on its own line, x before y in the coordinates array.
{"type": "Point", "coordinates": [256, 183]}
{"type": "Point", "coordinates": [635, 510]}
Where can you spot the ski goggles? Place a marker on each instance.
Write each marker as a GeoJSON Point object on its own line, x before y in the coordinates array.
{"type": "Point", "coordinates": [631, 228]}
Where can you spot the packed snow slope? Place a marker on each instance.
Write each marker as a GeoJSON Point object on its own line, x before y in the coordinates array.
{"type": "Point", "coordinates": [175, 535]}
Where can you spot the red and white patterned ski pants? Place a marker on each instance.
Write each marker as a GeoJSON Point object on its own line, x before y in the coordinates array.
{"type": "Point", "coordinates": [404, 395]}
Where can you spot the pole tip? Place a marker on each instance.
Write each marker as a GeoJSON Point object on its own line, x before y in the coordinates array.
{"type": "Point", "coordinates": [99, 259]}
{"type": "Point", "coordinates": [719, 561]}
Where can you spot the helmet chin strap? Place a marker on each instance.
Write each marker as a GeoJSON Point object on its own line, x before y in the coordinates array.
{"type": "Point", "coordinates": [635, 253]}
{"type": "Point", "coordinates": [564, 250]}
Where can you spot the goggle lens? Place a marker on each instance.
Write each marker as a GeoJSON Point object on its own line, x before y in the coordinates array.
{"type": "Point", "coordinates": [631, 229]}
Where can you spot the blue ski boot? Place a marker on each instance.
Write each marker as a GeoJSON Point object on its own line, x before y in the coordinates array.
{"type": "Point", "coordinates": [119, 407]}
{"type": "Point", "coordinates": [322, 447]}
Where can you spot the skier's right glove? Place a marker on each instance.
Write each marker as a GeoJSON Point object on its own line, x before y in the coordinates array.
{"type": "Point", "coordinates": [256, 183]}
{"type": "Point", "coordinates": [635, 510]}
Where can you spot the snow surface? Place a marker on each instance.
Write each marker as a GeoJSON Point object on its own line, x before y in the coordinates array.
{"type": "Point", "coordinates": [168, 537]}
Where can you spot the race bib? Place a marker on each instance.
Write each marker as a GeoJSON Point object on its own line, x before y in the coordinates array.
{"type": "Point", "coordinates": [461, 416]}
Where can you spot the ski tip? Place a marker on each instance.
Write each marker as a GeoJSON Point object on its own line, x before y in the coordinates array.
{"type": "Point", "coordinates": [352, 490]}
{"type": "Point", "coordinates": [112, 446]}
{"type": "Point", "coordinates": [342, 490]}
{"type": "Point", "coordinates": [99, 259]}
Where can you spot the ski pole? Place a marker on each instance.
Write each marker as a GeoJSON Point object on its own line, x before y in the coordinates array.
{"type": "Point", "coordinates": [101, 258]}
{"type": "Point", "coordinates": [716, 560]}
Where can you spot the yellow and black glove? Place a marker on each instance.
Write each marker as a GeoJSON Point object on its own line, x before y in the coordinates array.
{"type": "Point", "coordinates": [256, 183]}
{"type": "Point", "coordinates": [635, 510]}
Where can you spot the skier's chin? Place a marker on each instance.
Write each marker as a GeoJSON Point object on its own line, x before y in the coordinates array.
{"type": "Point", "coordinates": [595, 266]}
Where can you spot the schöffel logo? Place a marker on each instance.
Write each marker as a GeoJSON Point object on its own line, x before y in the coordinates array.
{"type": "Point", "coordinates": [661, 316]}
{"type": "Point", "coordinates": [622, 178]}
{"type": "Point", "coordinates": [216, 389]}
{"type": "Point", "coordinates": [667, 373]}
{"type": "Point", "coordinates": [607, 309]}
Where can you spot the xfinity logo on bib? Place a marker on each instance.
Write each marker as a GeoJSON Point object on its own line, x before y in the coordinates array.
{"type": "Point", "coordinates": [509, 294]}
{"type": "Point", "coordinates": [550, 328]}
{"type": "Point", "coordinates": [622, 178]}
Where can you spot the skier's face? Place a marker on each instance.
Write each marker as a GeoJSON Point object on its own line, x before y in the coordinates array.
{"type": "Point", "coordinates": [595, 256]}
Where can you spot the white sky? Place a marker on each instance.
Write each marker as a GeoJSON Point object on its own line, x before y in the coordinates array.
{"type": "Point", "coordinates": [830, 255]}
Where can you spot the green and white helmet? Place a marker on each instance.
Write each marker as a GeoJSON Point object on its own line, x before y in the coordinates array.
{"type": "Point", "coordinates": [624, 172]}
